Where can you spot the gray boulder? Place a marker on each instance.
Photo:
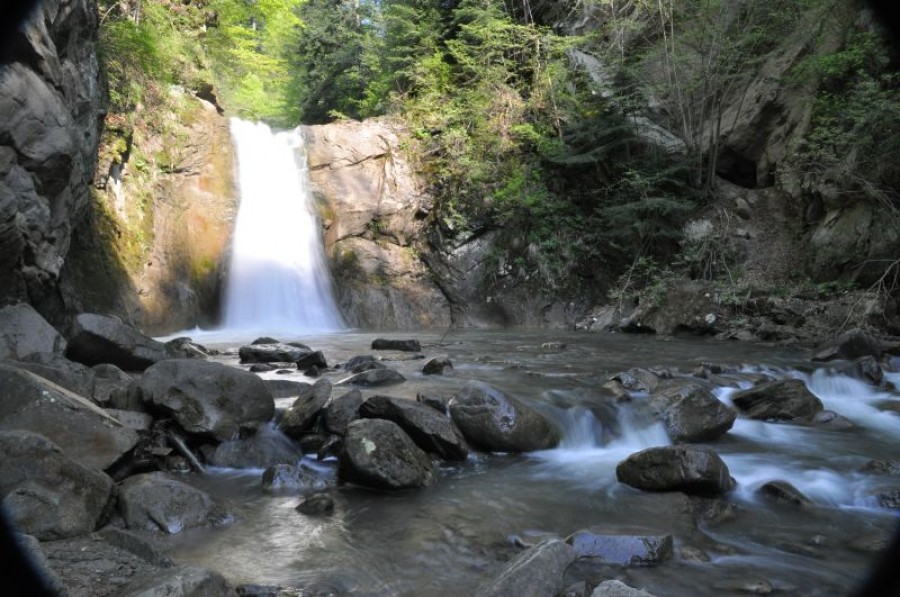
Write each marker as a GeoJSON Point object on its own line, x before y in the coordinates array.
{"type": "Point", "coordinates": [300, 417]}
{"type": "Point", "coordinates": [75, 377]}
{"type": "Point", "coordinates": [374, 377]}
{"type": "Point", "coordinates": [312, 359]}
{"type": "Point", "coordinates": [690, 469]}
{"type": "Point", "coordinates": [691, 413]}
{"type": "Point", "coordinates": [437, 366]}
{"type": "Point", "coordinates": [340, 411]}
{"type": "Point", "coordinates": [271, 353]}
{"type": "Point", "coordinates": [180, 582]}
{"type": "Point", "coordinates": [495, 422]}
{"type": "Point", "coordinates": [637, 380]}
{"type": "Point", "coordinates": [316, 504]}
{"type": "Point", "coordinates": [24, 332]}
{"type": "Point", "coordinates": [186, 348]}
{"type": "Point", "coordinates": [537, 572]}
{"type": "Point", "coordinates": [293, 478]}
{"type": "Point", "coordinates": [263, 449]}
{"type": "Point", "coordinates": [79, 427]}
{"type": "Point", "coordinates": [157, 502]}
{"type": "Point", "coordinates": [208, 398]}
{"type": "Point", "coordinates": [849, 346]}
{"type": "Point", "coordinates": [785, 399]}
{"type": "Point", "coordinates": [431, 430]}
{"type": "Point", "coordinates": [47, 494]}
{"type": "Point", "coordinates": [108, 379]}
{"type": "Point", "coordinates": [626, 549]}
{"type": "Point", "coordinates": [379, 454]}
{"type": "Point", "coordinates": [403, 345]}
{"type": "Point", "coordinates": [95, 339]}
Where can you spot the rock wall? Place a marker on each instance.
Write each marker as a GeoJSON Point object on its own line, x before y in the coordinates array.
{"type": "Point", "coordinates": [50, 120]}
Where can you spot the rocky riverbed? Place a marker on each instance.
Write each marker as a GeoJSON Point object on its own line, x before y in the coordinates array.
{"type": "Point", "coordinates": [475, 462]}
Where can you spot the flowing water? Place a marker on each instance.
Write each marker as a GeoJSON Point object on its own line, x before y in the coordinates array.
{"type": "Point", "coordinates": [449, 538]}
{"type": "Point", "coordinates": [277, 281]}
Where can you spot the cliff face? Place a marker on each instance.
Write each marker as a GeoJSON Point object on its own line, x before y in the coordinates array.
{"type": "Point", "coordinates": [50, 120]}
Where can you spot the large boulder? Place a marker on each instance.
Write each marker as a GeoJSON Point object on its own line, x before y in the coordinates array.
{"type": "Point", "coordinates": [431, 430]}
{"type": "Point", "coordinates": [46, 493]}
{"type": "Point", "coordinates": [157, 502]}
{"type": "Point", "coordinates": [75, 377]}
{"type": "Point", "coordinates": [538, 571]}
{"type": "Point", "coordinates": [303, 412]}
{"type": "Point", "coordinates": [495, 422]}
{"type": "Point", "coordinates": [626, 549]}
{"type": "Point", "coordinates": [690, 413]}
{"type": "Point", "coordinates": [340, 411]}
{"type": "Point", "coordinates": [208, 398]}
{"type": "Point", "coordinates": [24, 332]}
{"type": "Point", "coordinates": [83, 430]}
{"type": "Point", "coordinates": [390, 344]}
{"type": "Point", "coordinates": [785, 399]}
{"type": "Point", "coordinates": [690, 469]}
{"type": "Point", "coordinates": [272, 353]}
{"type": "Point", "coordinates": [379, 454]}
{"type": "Point", "coordinates": [95, 339]}
{"type": "Point", "coordinates": [849, 346]}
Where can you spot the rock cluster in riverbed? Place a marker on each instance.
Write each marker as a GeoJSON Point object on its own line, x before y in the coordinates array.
{"type": "Point", "coordinates": [91, 451]}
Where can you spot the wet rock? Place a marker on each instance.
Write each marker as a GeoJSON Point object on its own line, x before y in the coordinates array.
{"type": "Point", "coordinates": [753, 586]}
{"type": "Point", "coordinates": [867, 369]}
{"type": "Point", "coordinates": [208, 398]}
{"type": "Point", "coordinates": [849, 346]}
{"type": "Point", "coordinates": [75, 377]}
{"type": "Point", "coordinates": [882, 467]}
{"type": "Point", "coordinates": [626, 549]}
{"type": "Point", "coordinates": [332, 446]}
{"type": "Point", "coordinates": [262, 368]}
{"type": "Point", "coordinates": [293, 478]}
{"type": "Point", "coordinates": [313, 371]}
{"type": "Point", "coordinates": [692, 554]}
{"type": "Point", "coordinates": [785, 399]}
{"type": "Point", "coordinates": [890, 499]}
{"type": "Point", "coordinates": [316, 504]}
{"type": "Point", "coordinates": [303, 412]}
{"type": "Point", "coordinates": [618, 391]}
{"type": "Point", "coordinates": [24, 332]}
{"type": "Point", "coordinates": [379, 454]}
{"type": "Point", "coordinates": [402, 345]}
{"type": "Point", "coordinates": [784, 492]}
{"type": "Point", "coordinates": [271, 353]}
{"type": "Point", "coordinates": [553, 347]}
{"type": "Point", "coordinates": [438, 403]}
{"type": "Point", "coordinates": [96, 339]}
{"type": "Point", "coordinates": [873, 543]}
{"type": "Point", "coordinates": [340, 411]}
{"type": "Point", "coordinates": [437, 366]}
{"type": "Point", "coordinates": [637, 380]}
{"type": "Point", "coordinates": [180, 582]}
{"type": "Point", "coordinates": [157, 502]}
{"type": "Point", "coordinates": [265, 448]}
{"type": "Point", "coordinates": [374, 377]}
{"type": "Point", "coordinates": [537, 571]}
{"type": "Point", "coordinates": [829, 419]}
{"type": "Point", "coordinates": [186, 348]}
{"type": "Point", "coordinates": [432, 431]}
{"type": "Point", "coordinates": [615, 588]}
{"type": "Point", "coordinates": [312, 442]}
{"type": "Point", "coordinates": [312, 359]}
{"type": "Point", "coordinates": [46, 493]}
{"type": "Point", "coordinates": [358, 361]}
{"type": "Point", "coordinates": [690, 413]}
{"type": "Point", "coordinates": [712, 511]}
{"type": "Point", "coordinates": [495, 422]}
{"type": "Point", "coordinates": [79, 427]}
{"type": "Point", "coordinates": [138, 421]}
{"type": "Point", "coordinates": [265, 340]}
{"type": "Point", "coordinates": [690, 469]}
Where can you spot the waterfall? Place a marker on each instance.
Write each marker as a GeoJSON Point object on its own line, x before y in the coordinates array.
{"type": "Point", "coordinates": [278, 281]}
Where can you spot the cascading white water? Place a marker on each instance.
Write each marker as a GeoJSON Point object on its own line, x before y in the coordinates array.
{"type": "Point", "coordinates": [278, 281]}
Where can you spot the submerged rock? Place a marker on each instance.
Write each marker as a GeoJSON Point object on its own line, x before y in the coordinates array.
{"type": "Point", "coordinates": [157, 502]}
{"type": "Point", "coordinates": [785, 399]}
{"type": "Point", "coordinates": [495, 422]}
{"type": "Point", "coordinates": [626, 549]}
{"type": "Point", "coordinates": [294, 478]}
{"type": "Point", "coordinates": [690, 413]}
{"type": "Point", "coordinates": [437, 366]}
{"type": "Point", "coordinates": [537, 571]}
{"type": "Point", "coordinates": [432, 431]}
{"type": "Point", "coordinates": [690, 469]}
{"type": "Point", "coordinates": [24, 332]}
{"type": "Point", "coordinates": [784, 492]}
{"type": "Point", "coordinates": [379, 454]}
{"type": "Point", "coordinates": [882, 467]}
{"type": "Point", "coordinates": [208, 398]}
{"type": "Point", "coordinates": [637, 380]}
{"type": "Point", "coordinates": [303, 412]}
{"type": "Point", "coordinates": [46, 493]}
{"type": "Point", "coordinates": [317, 503]}
{"type": "Point", "coordinates": [374, 377]}
{"type": "Point", "coordinates": [264, 448]}
{"type": "Point", "coordinates": [402, 345]}
{"type": "Point", "coordinates": [78, 426]}
{"type": "Point", "coordinates": [96, 339]}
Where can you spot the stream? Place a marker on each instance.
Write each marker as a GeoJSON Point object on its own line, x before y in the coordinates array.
{"type": "Point", "coordinates": [451, 537]}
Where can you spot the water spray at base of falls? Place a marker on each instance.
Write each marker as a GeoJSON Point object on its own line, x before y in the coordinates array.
{"type": "Point", "coordinates": [278, 281]}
